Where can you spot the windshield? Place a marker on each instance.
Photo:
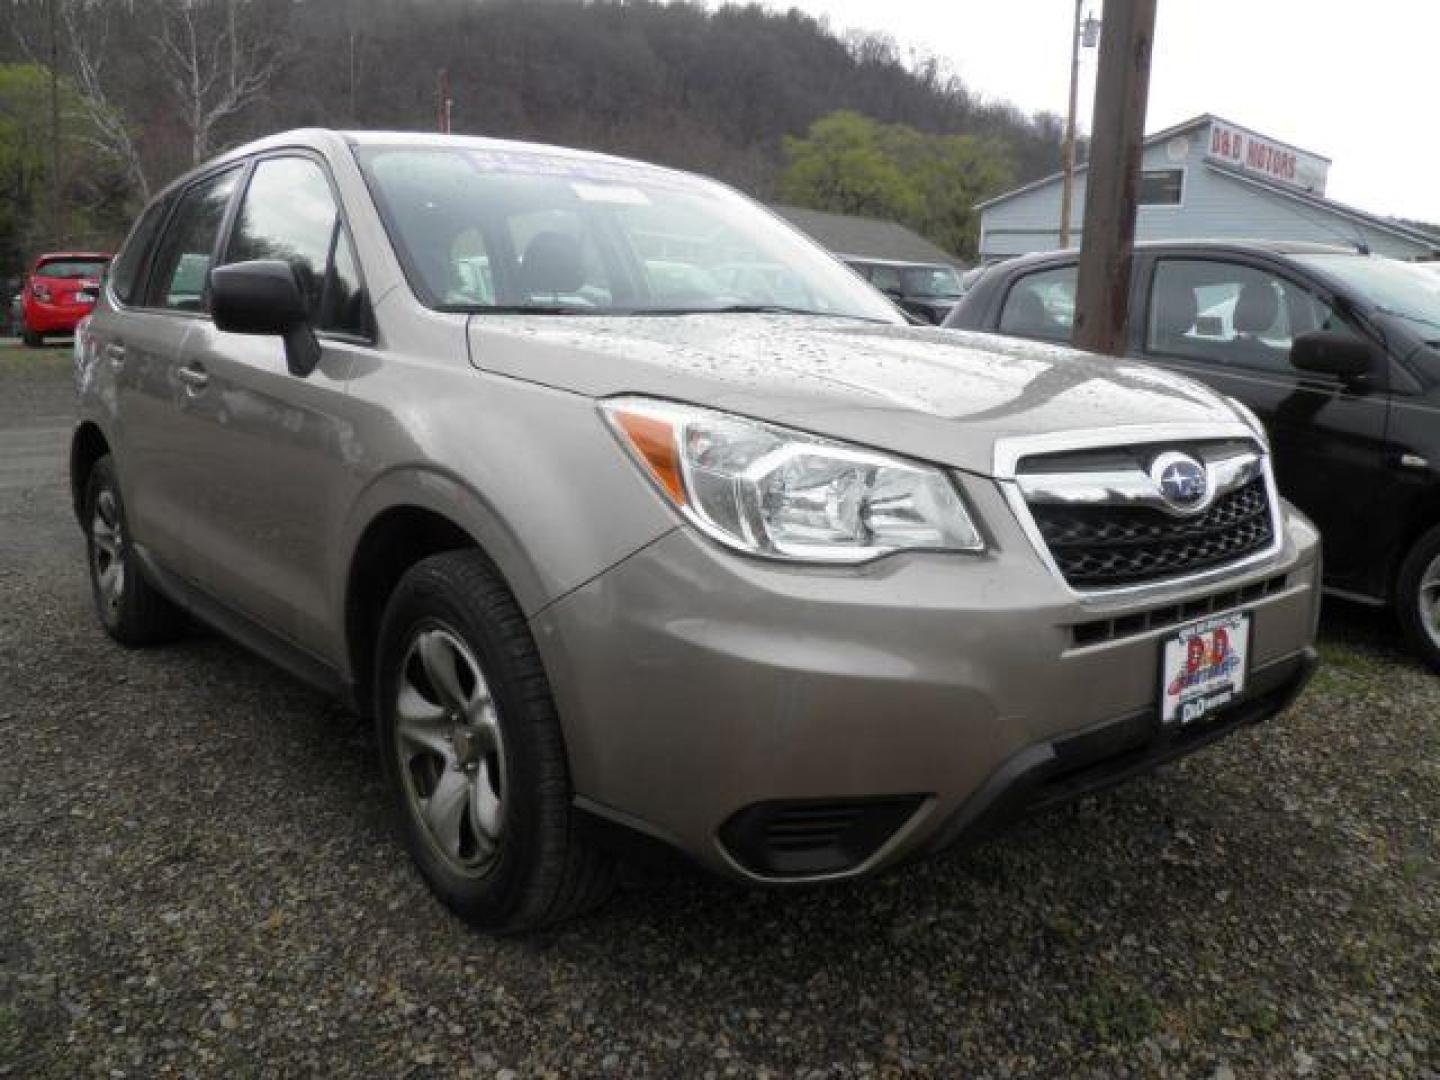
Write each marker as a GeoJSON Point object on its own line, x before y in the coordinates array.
{"type": "Point", "coordinates": [534, 230]}
{"type": "Point", "coordinates": [937, 281]}
{"type": "Point", "coordinates": [1396, 288]}
{"type": "Point", "coordinates": [71, 268]}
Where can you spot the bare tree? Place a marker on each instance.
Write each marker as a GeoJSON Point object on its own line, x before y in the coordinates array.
{"type": "Point", "coordinates": [217, 63]}
{"type": "Point", "coordinates": [87, 28]}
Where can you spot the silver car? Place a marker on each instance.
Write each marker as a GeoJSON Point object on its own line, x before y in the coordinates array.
{"type": "Point", "coordinates": [617, 554]}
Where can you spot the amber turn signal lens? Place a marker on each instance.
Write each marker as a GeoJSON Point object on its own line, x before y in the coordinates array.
{"type": "Point", "coordinates": [653, 441]}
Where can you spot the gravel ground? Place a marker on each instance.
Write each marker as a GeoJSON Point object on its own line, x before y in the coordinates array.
{"type": "Point", "coordinates": [196, 879]}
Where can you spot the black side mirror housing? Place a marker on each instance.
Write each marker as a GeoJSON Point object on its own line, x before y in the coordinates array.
{"type": "Point", "coordinates": [263, 298]}
{"type": "Point", "coordinates": [1333, 352]}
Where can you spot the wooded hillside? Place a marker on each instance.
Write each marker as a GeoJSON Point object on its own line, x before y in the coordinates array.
{"type": "Point", "coordinates": [154, 84]}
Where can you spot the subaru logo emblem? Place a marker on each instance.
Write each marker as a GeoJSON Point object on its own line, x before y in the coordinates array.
{"type": "Point", "coordinates": [1182, 482]}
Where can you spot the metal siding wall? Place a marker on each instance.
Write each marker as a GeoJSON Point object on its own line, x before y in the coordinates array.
{"type": "Point", "coordinates": [1213, 206]}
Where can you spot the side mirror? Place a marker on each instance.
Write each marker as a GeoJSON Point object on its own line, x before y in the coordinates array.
{"type": "Point", "coordinates": [1333, 352]}
{"type": "Point", "coordinates": [263, 298]}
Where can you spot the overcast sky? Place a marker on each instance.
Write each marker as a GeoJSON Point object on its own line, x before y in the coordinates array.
{"type": "Point", "coordinates": [1354, 82]}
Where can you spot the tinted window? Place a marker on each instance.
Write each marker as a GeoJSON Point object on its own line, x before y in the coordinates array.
{"type": "Point", "coordinates": [183, 258]}
{"type": "Point", "coordinates": [938, 281]}
{"type": "Point", "coordinates": [1229, 313]}
{"type": "Point", "coordinates": [127, 272]}
{"type": "Point", "coordinates": [1161, 187]}
{"type": "Point", "coordinates": [886, 279]}
{"type": "Point", "coordinates": [1041, 305]}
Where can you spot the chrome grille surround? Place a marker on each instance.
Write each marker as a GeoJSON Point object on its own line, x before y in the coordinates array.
{"type": "Point", "coordinates": [1234, 456]}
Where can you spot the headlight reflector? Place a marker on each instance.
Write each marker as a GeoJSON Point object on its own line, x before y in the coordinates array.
{"type": "Point", "coordinates": [769, 491]}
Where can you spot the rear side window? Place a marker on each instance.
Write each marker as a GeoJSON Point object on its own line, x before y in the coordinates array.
{"type": "Point", "coordinates": [127, 272]}
{"type": "Point", "coordinates": [1041, 305]}
{"type": "Point", "coordinates": [289, 213]}
{"type": "Point", "coordinates": [182, 260]}
{"type": "Point", "coordinates": [71, 269]}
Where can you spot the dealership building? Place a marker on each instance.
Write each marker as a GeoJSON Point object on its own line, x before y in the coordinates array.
{"type": "Point", "coordinates": [1208, 179]}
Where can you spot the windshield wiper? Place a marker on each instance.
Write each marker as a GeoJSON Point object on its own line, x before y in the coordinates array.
{"type": "Point", "coordinates": [521, 309]}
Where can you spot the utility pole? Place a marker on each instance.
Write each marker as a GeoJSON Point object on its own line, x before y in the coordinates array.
{"type": "Point", "coordinates": [1067, 188]}
{"type": "Point", "coordinates": [57, 207]}
{"type": "Point", "coordinates": [1102, 314]}
{"type": "Point", "coordinates": [444, 103]}
{"type": "Point", "coordinates": [1086, 35]}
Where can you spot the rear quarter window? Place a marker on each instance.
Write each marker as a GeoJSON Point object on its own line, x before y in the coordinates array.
{"type": "Point", "coordinates": [127, 272]}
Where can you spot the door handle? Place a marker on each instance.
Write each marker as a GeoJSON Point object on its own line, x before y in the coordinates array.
{"type": "Point", "coordinates": [115, 354]}
{"type": "Point", "coordinates": [194, 377]}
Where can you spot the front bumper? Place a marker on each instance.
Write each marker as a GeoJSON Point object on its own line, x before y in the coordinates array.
{"type": "Point", "coordinates": [718, 703]}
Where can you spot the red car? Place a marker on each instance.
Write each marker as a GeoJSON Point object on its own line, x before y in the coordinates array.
{"type": "Point", "coordinates": [60, 291]}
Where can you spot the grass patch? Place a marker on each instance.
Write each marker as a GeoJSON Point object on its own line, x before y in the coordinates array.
{"type": "Point", "coordinates": [22, 358]}
{"type": "Point", "coordinates": [1113, 1011]}
{"type": "Point", "coordinates": [9, 1032]}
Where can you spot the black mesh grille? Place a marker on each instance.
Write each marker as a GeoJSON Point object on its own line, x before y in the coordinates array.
{"type": "Point", "coordinates": [1099, 547]}
{"type": "Point", "coordinates": [812, 836]}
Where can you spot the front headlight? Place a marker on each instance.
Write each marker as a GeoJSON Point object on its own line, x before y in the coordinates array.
{"type": "Point", "coordinates": [769, 491]}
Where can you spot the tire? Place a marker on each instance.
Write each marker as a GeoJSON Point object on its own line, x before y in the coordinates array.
{"type": "Point", "coordinates": [31, 338]}
{"type": "Point", "coordinates": [473, 755]}
{"type": "Point", "coordinates": [1417, 598]}
{"type": "Point", "coordinates": [130, 608]}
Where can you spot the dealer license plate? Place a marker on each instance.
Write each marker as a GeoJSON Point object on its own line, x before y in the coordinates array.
{"type": "Point", "coordinates": [1202, 668]}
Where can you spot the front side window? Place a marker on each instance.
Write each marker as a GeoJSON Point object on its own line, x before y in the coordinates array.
{"type": "Point", "coordinates": [289, 213]}
{"type": "Point", "coordinates": [1230, 313]}
{"type": "Point", "coordinates": [182, 262]}
{"type": "Point", "coordinates": [481, 228]}
{"type": "Point", "coordinates": [1041, 305]}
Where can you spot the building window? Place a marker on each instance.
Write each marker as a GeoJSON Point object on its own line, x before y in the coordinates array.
{"type": "Point", "coordinates": [1161, 187]}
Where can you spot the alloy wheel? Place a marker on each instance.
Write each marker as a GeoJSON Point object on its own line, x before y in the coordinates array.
{"type": "Point", "coordinates": [107, 550]}
{"type": "Point", "coordinates": [1427, 599]}
{"type": "Point", "coordinates": [450, 749]}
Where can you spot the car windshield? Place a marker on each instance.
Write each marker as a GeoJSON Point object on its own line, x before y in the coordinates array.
{"type": "Point", "coordinates": [544, 231]}
{"type": "Point", "coordinates": [1401, 289]}
{"type": "Point", "coordinates": [71, 268]}
{"type": "Point", "coordinates": [937, 281]}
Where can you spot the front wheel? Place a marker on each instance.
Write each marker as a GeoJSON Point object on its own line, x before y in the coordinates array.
{"type": "Point", "coordinates": [31, 338]}
{"type": "Point", "coordinates": [473, 754]}
{"type": "Point", "coordinates": [1417, 597]}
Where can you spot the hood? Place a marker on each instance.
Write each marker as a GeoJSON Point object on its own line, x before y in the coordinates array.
{"type": "Point", "coordinates": [941, 395]}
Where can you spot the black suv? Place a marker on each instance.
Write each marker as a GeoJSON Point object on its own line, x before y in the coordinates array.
{"type": "Point", "coordinates": [925, 290]}
{"type": "Point", "coordinates": [1337, 351]}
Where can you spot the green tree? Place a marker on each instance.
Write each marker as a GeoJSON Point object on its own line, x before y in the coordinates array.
{"type": "Point", "coordinates": [24, 157]}
{"type": "Point", "coordinates": [93, 199]}
{"type": "Point", "coordinates": [851, 164]}
{"type": "Point", "coordinates": [842, 165]}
